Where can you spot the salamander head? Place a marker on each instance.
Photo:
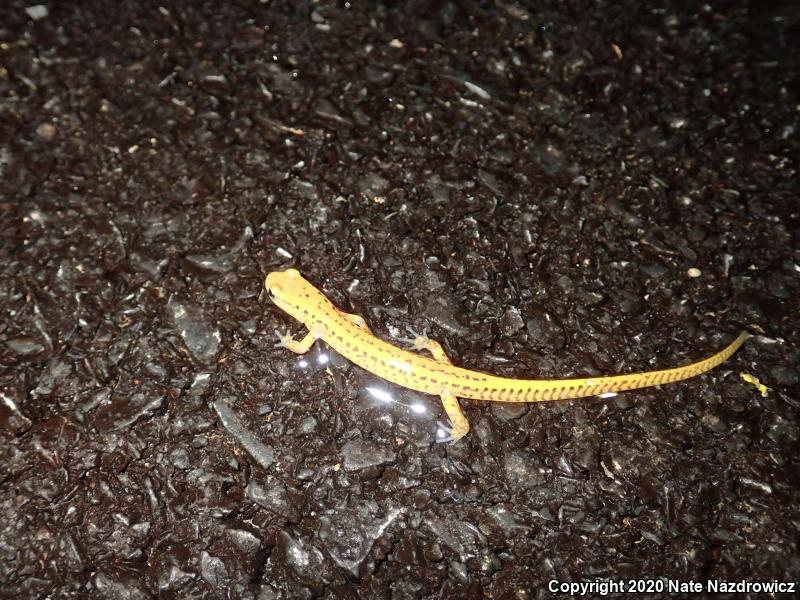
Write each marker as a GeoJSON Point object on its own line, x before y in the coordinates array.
{"type": "Point", "coordinates": [289, 291]}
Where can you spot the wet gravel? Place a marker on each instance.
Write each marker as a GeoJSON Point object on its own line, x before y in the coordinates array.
{"type": "Point", "coordinates": [554, 190]}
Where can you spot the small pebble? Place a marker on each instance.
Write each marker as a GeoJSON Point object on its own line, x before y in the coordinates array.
{"type": "Point", "coordinates": [46, 131]}
{"type": "Point", "coordinates": [37, 12]}
{"type": "Point", "coordinates": [694, 273]}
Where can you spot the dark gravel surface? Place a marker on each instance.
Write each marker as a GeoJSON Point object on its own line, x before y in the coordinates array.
{"type": "Point", "coordinates": [555, 189]}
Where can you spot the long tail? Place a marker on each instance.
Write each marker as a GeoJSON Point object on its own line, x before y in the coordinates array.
{"type": "Point", "coordinates": [515, 390]}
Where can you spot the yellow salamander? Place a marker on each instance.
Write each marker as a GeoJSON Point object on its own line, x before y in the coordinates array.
{"type": "Point", "coordinates": [349, 335]}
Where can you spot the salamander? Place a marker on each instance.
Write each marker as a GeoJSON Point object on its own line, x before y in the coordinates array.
{"type": "Point", "coordinates": [350, 336]}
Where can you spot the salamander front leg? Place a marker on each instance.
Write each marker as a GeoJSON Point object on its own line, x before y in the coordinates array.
{"type": "Point", "coordinates": [459, 426]}
{"type": "Point", "coordinates": [287, 341]}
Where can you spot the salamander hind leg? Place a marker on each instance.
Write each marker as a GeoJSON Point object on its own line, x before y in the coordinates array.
{"type": "Point", "coordinates": [435, 348]}
{"type": "Point", "coordinates": [357, 320]}
{"type": "Point", "coordinates": [420, 342]}
{"type": "Point", "coordinates": [459, 426]}
{"type": "Point", "coordinates": [287, 341]}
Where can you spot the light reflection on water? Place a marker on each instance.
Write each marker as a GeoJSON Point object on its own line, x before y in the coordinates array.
{"type": "Point", "coordinates": [413, 408]}
{"type": "Point", "coordinates": [322, 359]}
{"type": "Point", "coordinates": [383, 395]}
